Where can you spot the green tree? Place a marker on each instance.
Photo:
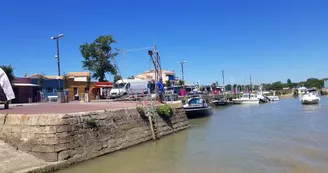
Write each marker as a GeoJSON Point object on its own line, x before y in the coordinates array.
{"type": "Point", "coordinates": [181, 82]}
{"type": "Point", "coordinates": [40, 81]}
{"type": "Point", "coordinates": [9, 72]}
{"type": "Point", "coordinates": [65, 79]}
{"type": "Point", "coordinates": [289, 83]}
{"type": "Point", "coordinates": [99, 57]}
{"type": "Point", "coordinates": [313, 82]}
{"type": "Point", "coordinates": [88, 83]}
{"type": "Point", "coordinates": [277, 85]}
{"type": "Point", "coordinates": [131, 77]}
{"type": "Point", "coordinates": [228, 87]}
{"type": "Point", "coordinates": [116, 78]}
{"type": "Point", "coordinates": [168, 83]}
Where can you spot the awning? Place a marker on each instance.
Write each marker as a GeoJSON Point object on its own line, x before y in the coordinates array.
{"type": "Point", "coordinates": [25, 84]}
{"type": "Point", "coordinates": [104, 86]}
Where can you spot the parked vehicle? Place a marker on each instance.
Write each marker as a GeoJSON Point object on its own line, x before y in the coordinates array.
{"type": "Point", "coordinates": [126, 87]}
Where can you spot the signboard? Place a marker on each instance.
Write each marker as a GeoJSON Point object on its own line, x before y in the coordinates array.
{"type": "Point", "coordinates": [80, 79]}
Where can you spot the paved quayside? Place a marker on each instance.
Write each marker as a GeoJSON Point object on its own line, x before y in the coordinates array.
{"type": "Point", "coordinates": [12, 160]}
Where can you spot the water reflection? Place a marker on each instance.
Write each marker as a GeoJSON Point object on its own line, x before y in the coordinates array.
{"type": "Point", "coordinates": [277, 137]}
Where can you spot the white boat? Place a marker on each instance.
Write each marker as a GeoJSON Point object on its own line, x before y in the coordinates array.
{"type": "Point", "coordinates": [301, 90]}
{"type": "Point", "coordinates": [310, 97]}
{"type": "Point", "coordinates": [273, 98]}
{"type": "Point", "coordinates": [247, 99]}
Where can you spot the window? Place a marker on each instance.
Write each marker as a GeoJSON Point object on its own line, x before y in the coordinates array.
{"type": "Point", "coordinates": [49, 90]}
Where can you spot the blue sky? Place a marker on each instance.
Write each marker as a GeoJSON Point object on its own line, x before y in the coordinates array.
{"type": "Point", "coordinates": [271, 40]}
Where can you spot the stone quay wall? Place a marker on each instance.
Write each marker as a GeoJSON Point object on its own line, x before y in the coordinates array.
{"type": "Point", "coordinates": [81, 136]}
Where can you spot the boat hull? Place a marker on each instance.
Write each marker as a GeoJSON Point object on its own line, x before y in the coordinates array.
{"type": "Point", "coordinates": [242, 101]}
{"type": "Point", "coordinates": [198, 112]}
{"type": "Point", "coordinates": [220, 103]}
{"type": "Point", "coordinates": [310, 101]}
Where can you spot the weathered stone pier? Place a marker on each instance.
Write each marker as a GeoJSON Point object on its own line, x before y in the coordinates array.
{"type": "Point", "coordinates": [63, 136]}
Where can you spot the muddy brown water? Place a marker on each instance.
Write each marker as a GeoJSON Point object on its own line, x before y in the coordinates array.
{"type": "Point", "coordinates": [279, 137]}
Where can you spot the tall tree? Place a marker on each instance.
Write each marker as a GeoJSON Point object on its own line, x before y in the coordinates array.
{"type": "Point", "coordinates": [99, 57]}
{"type": "Point", "coordinates": [40, 82]}
{"type": "Point", "coordinates": [87, 85]}
{"type": "Point", "coordinates": [181, 82]}
{"type": "Point", "coordinates": [168, 83]}
{"type": "Point", "coordinates": [9, 72]}
{"type": "Point", "coordinates": [289, 83]}
{"type": "Point", "coordinates": [228, 87]}
{"type": "Point", "coordinates": [65, 78]}
{"type": "Point", "coordinates": [116, 78]}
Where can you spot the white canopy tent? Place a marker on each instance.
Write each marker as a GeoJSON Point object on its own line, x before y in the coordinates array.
{"type": "Point", "coordinates": [6, 86]}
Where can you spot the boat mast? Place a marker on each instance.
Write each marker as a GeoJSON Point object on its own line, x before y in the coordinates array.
{"type": "Point", "coordinates": [222, 71]}
{"type": "Point", "coordinates": [250, 83]}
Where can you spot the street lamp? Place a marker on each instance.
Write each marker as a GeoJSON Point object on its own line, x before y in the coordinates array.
{"type": "Point", "coordinates": [182, 62]}
{"type": "Point", "coordinates": [58, 61]}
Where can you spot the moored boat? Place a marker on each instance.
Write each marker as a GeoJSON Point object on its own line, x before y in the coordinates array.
{"type": "Point", "coordinates": [197, 108]}
{"type": "Point", "coordinates": [247, 98]}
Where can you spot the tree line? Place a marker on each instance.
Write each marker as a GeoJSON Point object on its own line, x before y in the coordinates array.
{"type": "Point", "coordinates": [309, 83]}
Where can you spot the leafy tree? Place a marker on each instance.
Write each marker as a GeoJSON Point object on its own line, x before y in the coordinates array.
{"type": "Point", "coordinates": [289, 83]}
{"type": "Point", "coordinates": [88, 83]}
{"type": "Point", "coordinates": [131, 77]}
{"type": "Point", "coordinates": [313, 82]}
{"type": "Point", "coordinates": [99, 57]}
{"type": "Point", "coordinates": [40, 81]}
{"type": "Point", "coordinates": [65, 79]}
{"type": "Point", "coordinates": [116, 78]}
{"type": "Point", "coordinates": [9, 72]}
{"type": "Point", "coordinates": [181, 82]}
{"type": "Point", "coordinates": [277, 85]}
{"type": "Point", "coordinates": [168, 83]}
{"type": "Point", "coordinates": [228, 87]}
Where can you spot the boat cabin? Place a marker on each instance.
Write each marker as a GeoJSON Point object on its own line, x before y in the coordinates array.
{"type": "Point", "coordinates": [248, 95]}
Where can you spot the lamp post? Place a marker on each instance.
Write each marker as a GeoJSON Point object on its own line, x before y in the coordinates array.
{"type": "Point", "coordinates": [58, 63]}
{"type": "Point", "coordinates": [182, 62]}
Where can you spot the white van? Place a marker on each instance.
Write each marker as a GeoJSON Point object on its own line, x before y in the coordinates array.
{"type": "Point", "coordinates": [128, 86]}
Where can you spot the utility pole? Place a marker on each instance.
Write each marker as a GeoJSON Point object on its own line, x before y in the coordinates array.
{"type": "Point", "coordinates": [182, 63]}
{"type": "Point", "coordinates": [250, 82]}
{"type": "Point", "coordinates": [59, 92]}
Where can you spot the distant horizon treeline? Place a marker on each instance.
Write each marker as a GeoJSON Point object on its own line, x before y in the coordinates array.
{"type": "Point", "coordinates": [309, 83]}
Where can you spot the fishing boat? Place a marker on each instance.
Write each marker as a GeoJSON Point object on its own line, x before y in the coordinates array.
{"type": "Point", "coordinates": [247, 98]}
{"type": "Point", "coordinates": [197, 107]}
{"type": "Point", "coordinates": [310, 97]}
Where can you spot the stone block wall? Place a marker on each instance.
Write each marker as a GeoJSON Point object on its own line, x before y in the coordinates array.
{"type": "Point", "coordinates": [82, 136]}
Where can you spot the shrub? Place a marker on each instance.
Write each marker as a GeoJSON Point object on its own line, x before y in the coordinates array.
{"type": "Point", "coordinates": [164, 110]}
{"type": "Point", "coordinates": [141, 111]}
{"type": "Point", "coordinates": [91, 122]}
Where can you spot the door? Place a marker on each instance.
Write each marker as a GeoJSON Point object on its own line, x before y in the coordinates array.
{"type": "Point", "coordinates": [76, 94]}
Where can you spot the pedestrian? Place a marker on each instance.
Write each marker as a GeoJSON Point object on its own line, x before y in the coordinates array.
{"type": "Point", "coordinates": [160, 90]}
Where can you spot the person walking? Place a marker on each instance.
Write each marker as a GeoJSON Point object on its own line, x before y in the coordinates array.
{"type": "Point", "coordinates": [160, 90]}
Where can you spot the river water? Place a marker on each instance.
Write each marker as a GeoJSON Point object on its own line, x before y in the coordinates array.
{"type": "Point", "coordinates": [279, 137]}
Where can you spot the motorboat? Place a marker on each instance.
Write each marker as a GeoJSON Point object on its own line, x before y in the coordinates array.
{"type": "Point", "coordinates": [247, 98]}
{"type": "Point", "coordinates": [197, 107]}
{"type": "Point", "coordinates": [221, 102]}
{"type": "Point", "coordinates": [311, 96]}
{"type": "Point", "coordinates": [302, 90]}
{"type": "Point", "coordinates": [273, 98]}
{"type": "Point", "coordinates": [262, 98]}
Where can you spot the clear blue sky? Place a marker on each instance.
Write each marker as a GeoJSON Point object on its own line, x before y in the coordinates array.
{"type": "Point", "coordinates": [269, 39]}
